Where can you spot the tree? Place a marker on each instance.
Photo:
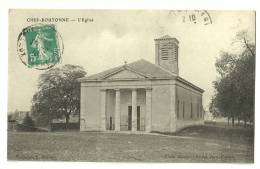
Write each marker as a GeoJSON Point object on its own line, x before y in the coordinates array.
{"type": "Point", "coordinates": [58, 94]}
{"type": "Point", "coordinates": [28, 121]}
{"type": "Point", "coordinates": [213, 109]}
{"type": "Point", "coordinates": [235, 87]}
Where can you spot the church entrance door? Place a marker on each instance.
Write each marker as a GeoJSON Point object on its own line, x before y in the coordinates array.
{"type": "Point", "coordinates": [129, 117]}
{"type": "Point", "coordinates": [138, 118]}
{"type": "Point", "coordinates": [110, 123]}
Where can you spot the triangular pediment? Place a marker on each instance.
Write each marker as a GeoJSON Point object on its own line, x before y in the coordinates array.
{"type": "Point", "coordinates": [125, 74]}
{"type": "Point", "coordinates": [141, 69]}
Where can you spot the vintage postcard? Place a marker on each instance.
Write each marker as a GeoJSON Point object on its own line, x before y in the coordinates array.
{"type": "Point", "coordinates": [172, 86]}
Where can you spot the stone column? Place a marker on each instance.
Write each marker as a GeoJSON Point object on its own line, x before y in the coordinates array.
{"type": "Point", "coordinates": [103, 109]}
{"type": "Point", "coordinates": [134, 109]}
{"type": "Point", "coordinates": [148, 114]}
{"type": "Point", "coordinates": [117, 110]}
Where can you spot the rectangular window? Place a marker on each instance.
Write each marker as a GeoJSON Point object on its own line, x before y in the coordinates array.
{"type": "Point", "coordinates": [183, 110]}
{"type": "Point", "coordinates": [191, 110]}
{"type": "Point", "coordinates": [178, 109]}
{"type": "Point", "coordinates": [198, 110]}
{"type": "Point", "coordinates": [201, 111]}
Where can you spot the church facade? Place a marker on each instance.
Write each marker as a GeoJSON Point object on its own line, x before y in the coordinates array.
{"type": "Point", "coordinates": [141, 96]}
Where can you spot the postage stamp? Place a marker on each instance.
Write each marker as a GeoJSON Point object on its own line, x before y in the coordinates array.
{"type": "Point", "coordinates": [40, 46]}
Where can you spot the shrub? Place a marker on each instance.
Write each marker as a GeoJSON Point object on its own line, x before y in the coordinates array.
{"type": "Point", "coordinates": [28, 121]}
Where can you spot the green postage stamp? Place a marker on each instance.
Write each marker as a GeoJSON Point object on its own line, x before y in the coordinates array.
{"type": "Point", "coordinates": [40, 46]}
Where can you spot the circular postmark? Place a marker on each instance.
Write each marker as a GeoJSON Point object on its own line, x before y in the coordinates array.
{"type": "Point", "coordinates": [40, 46]}
{"type": "Point", "coordinates": [193, 16]}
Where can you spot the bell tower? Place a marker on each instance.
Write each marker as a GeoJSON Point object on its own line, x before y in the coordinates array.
{"type": "Point", "coordinates": [166, 53]}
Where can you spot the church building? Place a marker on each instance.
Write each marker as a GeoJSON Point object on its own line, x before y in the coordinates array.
{"type": "Point", "coordinates": [141, 96]}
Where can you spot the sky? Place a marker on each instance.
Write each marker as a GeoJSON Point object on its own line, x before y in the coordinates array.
{"type": "Point", "coordinates": [116, 36]}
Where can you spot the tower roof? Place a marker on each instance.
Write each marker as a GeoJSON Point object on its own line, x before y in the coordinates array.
{"type": "Point", "coordinates": [166, 37]}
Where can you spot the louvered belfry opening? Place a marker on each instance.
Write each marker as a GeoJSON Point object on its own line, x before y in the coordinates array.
{"type": "Point", "coordinates": [166, 53]}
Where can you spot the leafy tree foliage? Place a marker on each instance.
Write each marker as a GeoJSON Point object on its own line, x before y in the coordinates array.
{"type": "Point", "coordinates": [58, 94]}
{"type": "Point", "coordinates": [234, 97]}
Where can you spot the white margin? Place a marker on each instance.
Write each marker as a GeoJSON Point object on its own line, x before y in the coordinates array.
{"type": "Point", "coordinates": [111, 4]}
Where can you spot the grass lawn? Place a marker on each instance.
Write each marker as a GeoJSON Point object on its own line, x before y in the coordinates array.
{"type": "Point", "coordinates": [195, 144]}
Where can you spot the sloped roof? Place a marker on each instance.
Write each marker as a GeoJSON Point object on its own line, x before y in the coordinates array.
{"type": "Point", "coordinates": [142, 67]}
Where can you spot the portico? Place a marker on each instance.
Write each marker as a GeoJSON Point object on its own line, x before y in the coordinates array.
{"type": "Point", "coordinates": [130, 109]}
